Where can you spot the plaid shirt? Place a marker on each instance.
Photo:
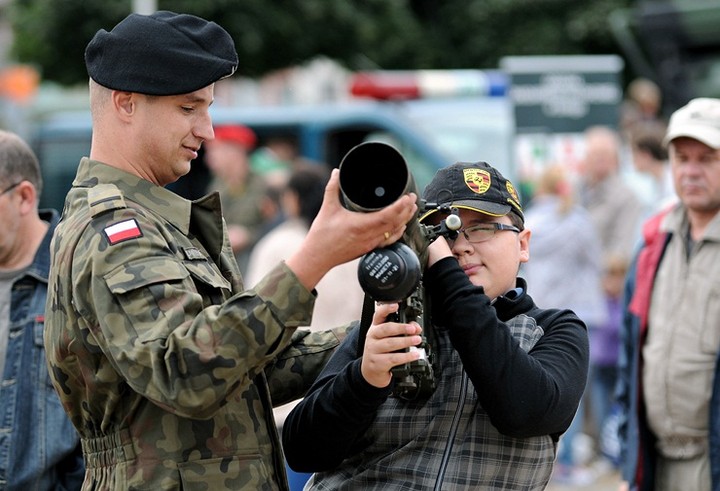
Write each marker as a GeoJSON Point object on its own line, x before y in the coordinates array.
{"type": "Point", "coordinates": [447, 441]}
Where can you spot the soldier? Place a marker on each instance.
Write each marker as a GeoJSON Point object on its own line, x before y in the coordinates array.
{"type": "Point", "coordinates": [166, 366]}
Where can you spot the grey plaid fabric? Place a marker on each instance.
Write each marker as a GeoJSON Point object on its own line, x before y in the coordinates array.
{"type": "Point", "coordinates": [446, 442]}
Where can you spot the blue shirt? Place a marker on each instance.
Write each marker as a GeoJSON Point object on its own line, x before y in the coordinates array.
{"type": "Point", "coordinates": [39, 447]}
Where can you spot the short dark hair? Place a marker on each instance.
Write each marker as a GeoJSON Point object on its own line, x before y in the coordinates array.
{"type": "Point", "coordinates": [516, 220]}
{"type": "Point", "coordinates": [18, 162]}
{"type": "Point", "coordinates": [648, 138]}
{"type": "Point", "coordinates": [308, 182]}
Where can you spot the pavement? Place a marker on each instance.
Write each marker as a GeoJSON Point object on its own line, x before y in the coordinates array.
{"type": "Point", "coordinates": [595, 477]}
{"type": "Point", "coordinates": [608, 482]}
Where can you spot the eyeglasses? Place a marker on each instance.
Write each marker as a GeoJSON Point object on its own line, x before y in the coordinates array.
{"type": "Point", "coordinates": [484, 231]}
{"type": "Point", "coordinates": [9, 188]}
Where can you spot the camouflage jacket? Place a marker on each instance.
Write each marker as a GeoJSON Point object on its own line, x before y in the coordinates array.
{"type": "Point", "coordinates": [166, 367]}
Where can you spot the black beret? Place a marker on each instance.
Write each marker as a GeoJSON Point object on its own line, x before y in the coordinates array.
{"type": "Point", "coordinates": [161, 54]}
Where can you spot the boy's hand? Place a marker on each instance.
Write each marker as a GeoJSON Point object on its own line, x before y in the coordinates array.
{"type": "Point", "coordinates": [383, 341]}
{"type": "Point", "coordinates": [438, 250]}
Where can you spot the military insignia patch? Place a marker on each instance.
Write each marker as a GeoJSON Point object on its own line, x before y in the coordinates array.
{"type": "Point", "coordinates": [193, 254]}
{"type": "Point", "coordinates": [478, 180]}
{"type": "Point", "coordinates": [128, 229]}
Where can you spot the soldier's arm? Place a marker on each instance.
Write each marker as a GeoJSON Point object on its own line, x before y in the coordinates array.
{"type": "Point", "coordinates": [148, 310]}
{"type": "Point", "coordinates": [295, 369]}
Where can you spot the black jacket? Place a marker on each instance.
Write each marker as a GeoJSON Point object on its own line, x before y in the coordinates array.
{"type": "Point", "coordinates": [528, 367]}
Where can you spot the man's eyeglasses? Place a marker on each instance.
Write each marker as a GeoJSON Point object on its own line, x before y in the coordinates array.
{"type": "Point", "coordinates": [9, 188]}
{"type": "Point", "coordinates": [484, 231]}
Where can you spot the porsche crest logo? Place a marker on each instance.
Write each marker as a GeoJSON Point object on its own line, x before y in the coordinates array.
{"type": "Point", "coordinates": [511, 190]}
{"type": "Point", "coordinates": [478, 180]}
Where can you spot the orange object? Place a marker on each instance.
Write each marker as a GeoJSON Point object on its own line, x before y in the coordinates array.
{"type": "Point", "coordinates": [19, 82]}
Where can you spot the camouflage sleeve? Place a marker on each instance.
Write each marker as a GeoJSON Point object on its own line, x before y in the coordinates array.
{"type": "Point", "coordinates": [296, 368]}
{"type": "Point", "coordinates": [169, 324]}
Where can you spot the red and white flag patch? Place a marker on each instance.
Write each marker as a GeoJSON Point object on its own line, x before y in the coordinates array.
{"type": "Point", "coordinates": [128, 229]}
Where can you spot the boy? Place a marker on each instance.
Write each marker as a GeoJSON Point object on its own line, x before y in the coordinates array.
{"type": "Point", "coordinates": [509, 380]}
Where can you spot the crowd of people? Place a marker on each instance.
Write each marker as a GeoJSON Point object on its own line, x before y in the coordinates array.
{"type": "Point", "coordinates": [145, 339]}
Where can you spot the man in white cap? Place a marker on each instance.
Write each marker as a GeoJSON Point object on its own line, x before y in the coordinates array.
{"type": "Point", "coordinates": [670, 388]}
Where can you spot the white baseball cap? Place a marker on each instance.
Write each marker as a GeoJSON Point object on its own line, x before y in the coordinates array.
{"type": "Point", "coordinates": [698, 119]}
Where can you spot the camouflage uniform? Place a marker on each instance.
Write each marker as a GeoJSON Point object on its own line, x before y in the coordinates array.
{"type": "Point", "coordinates": [165, 366]}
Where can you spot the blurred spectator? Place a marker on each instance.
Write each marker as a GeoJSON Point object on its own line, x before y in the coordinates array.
{"type": "Point", "coordinates": [614, 207]}
{"type": "Point", "coordinates": [271, 209]}
{"type": "Point", "coordinates": [604, 350]}
{"type": "Point", "coordinates": [241, 190]}
{"type": "Point", "coordinates": [275, 159]}
{"type": "Point", "coordinates": [669, 388]}
{"type": "Point", "coordinates": [650, 158]}
{"type": "Point", "coordinates": [39, 447]}
{"type": "Point", "coordinates": [340, 296]}
{"type": "Point", "coordinates": [565, 272]}
{"type": "Point", "coordinates": [564, 240]}
{"type": "Point", "coordinates": [643, 103]}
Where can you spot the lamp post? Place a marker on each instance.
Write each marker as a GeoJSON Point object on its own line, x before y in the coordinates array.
{"type": "Point", "coordinates": [145, 7]}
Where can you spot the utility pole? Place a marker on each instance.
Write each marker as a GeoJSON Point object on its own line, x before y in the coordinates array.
{"type": "Point", "coordinates": [145, 7]}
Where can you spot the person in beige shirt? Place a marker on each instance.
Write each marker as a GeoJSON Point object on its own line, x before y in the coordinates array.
{"type": "Point", "coordinates": [670, 435]}
{"type": "Point", "coordinates": [613, 205]}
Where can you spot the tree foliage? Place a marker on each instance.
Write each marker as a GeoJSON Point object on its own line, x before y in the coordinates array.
{"type": "Point", "coordinates": [361, 34]}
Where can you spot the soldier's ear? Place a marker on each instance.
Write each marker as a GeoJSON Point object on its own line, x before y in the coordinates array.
{"type": "Point", "coordinates": [124, 104]}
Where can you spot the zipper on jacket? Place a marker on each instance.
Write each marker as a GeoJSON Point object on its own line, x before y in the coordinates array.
{"type": "Point", "coordinates": [453, 432]}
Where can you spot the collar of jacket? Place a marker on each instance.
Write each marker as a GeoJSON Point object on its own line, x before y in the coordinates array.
{"type": "Point", "coordinates": [174, 208]}
{"type": "Point", "coordinates": [513, 303]}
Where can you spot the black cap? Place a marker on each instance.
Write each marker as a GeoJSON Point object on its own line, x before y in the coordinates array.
{"type": "Point", "coordinates": [474, 186]}
{"type": "Point", "coordinates": [161, 54]}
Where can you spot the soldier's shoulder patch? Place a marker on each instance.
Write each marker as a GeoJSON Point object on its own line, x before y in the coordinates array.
{"type": "Point", "coordinates": [121, 231]}
{"type": "Point", "coordinates": [105, 197]}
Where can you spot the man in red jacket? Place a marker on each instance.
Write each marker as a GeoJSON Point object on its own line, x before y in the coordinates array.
{"type": "Point", "coordinates": [668, 385]}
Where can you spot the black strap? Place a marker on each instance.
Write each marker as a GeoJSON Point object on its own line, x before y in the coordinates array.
{"type": "Point", "coordinates": [368, 310]}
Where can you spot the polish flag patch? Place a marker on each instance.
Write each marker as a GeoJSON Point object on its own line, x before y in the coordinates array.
{"type": "Point", "coordinates": [128, 229]}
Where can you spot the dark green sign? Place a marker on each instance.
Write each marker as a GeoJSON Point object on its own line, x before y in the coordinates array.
{"type": "Point", "coordinates": [564, 94]}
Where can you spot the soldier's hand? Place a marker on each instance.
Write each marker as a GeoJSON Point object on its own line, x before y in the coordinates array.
{"type": "Point", "coordinates": [383, 344]}
{"type": "Point", "coordinates": [338, 235]}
